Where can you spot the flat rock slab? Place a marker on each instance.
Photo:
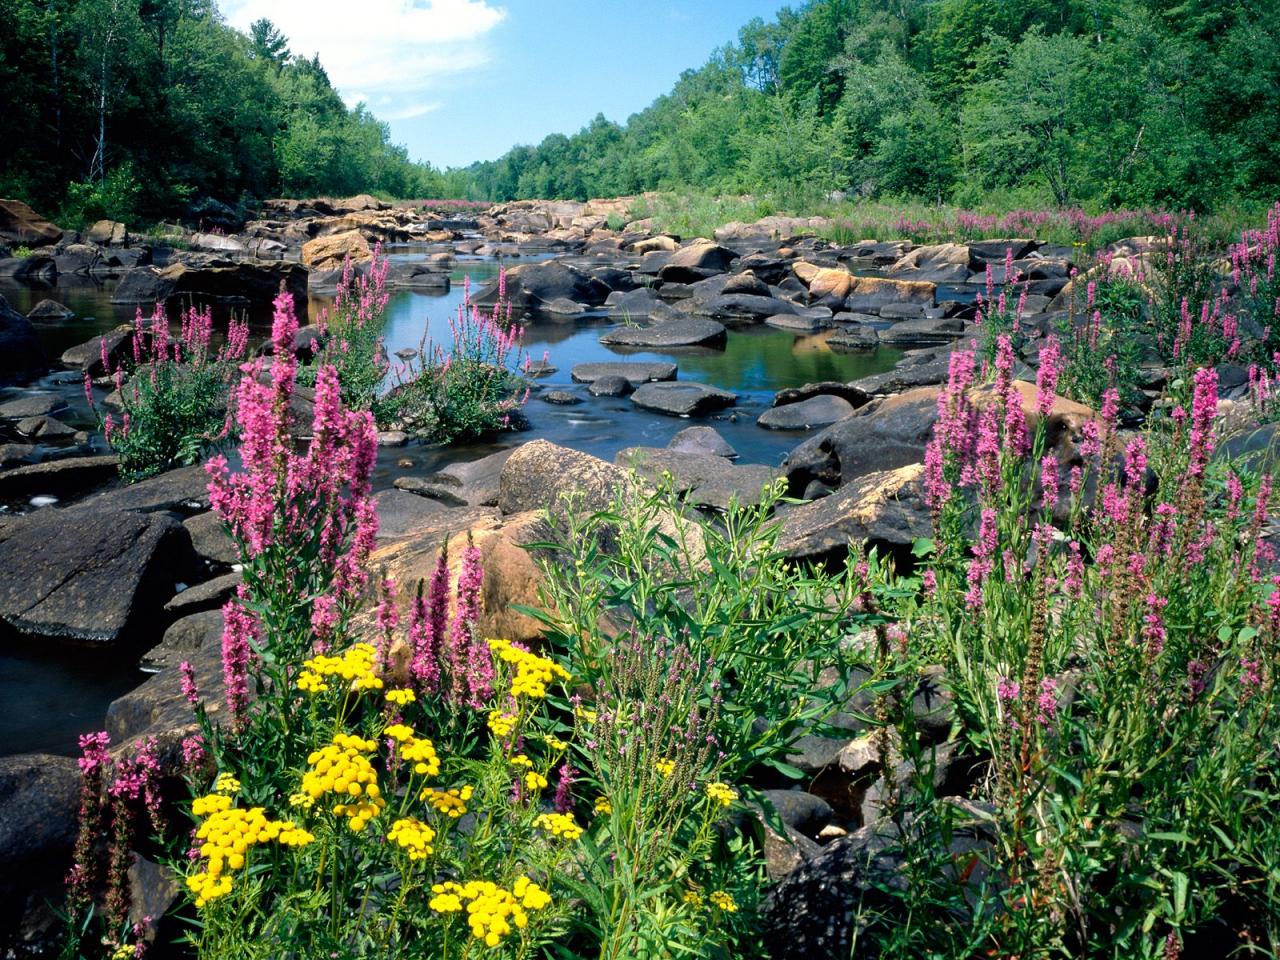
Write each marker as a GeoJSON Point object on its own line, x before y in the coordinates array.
{"type": "Point", "coordinates": [819, 411]}
{"type": "Point", "coordinates": [44, 428]}
{"type": "Point", "coordinates": [59, 478]}
{"type": "Point", "coordinates": [835, 388]}
{"type": "Point", "coordinates": [682, 399]}
{"type": "Point", "coordinates": [185, 490]}
{"type": "Point", "coordinates": [50, 311]}
{"type": "Point", "coordinates": [400, 513]}
{"type": "Point", "coordinates": [210, 595]}
{"type": "Point", "coordinates": [32, 405]}
{"type": "Point", "coordinates": [611, 387]}
{"type": "Point", "coordinates": [797, 323]}
{"type": "Point", "coordinates": [562, 398]}
{"type": "Point", "coordinates": [84, 575]}
{"type": "Point", "coordinates": [691, 332]}
{"type": "Point", "coordinates": [702, 440]}
{"type": "Point", "coordinates": [449, 495]}
{"type": "Point", "coordinates": [638, 372]}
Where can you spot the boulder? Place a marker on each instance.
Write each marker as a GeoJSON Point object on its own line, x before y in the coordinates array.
{"type": "Point", "coordinates": [36, 268]}
{"type": "Point", "coordinates": [44, 428]}
{"type": "Point", "coordinates": [703, 480]}
{"type": "Point", "coordinates": [682, 399]}
{"type": "Point", "coordinates": [245, 281]}
{"type": "Point", "coordinates": [108, 233]}
{"type": "Point", "coordinates": [927, 332]}
{"type": "Point", "coordinates": [444, 493]}
{"type": "Point", "coordinates": [87, 356]}
{"type": "Point", "coordinates": [796, 323]}
{"type": "Point", "coordinates": [400, 513]}
{"type": "Point", "coordinates": [885, 509]}
{"type": "Point", "coordinates": [183, 638]}
{"type": "Point", "coordinates": [22, 226]}
{"type": "Point", "coordinates": [18, 454]}
{"type": "Point", "coordinates": [697, 260]}
{"type": "Point", "coordinates": [562, 398]}
{"type": "Point", "coordinates": [210, 540]}
{"type": "Point", "coordinates": [216, 243]}
{"type": "Point", "coordinates": [531, 286]}
{"type": "Point", "coordinates": [60, 478]}
{"type": "Point", "coordinates": [661, 242]}
{"type": "Point", "coordinates": [829, 285]}
{"type": "Point", "coordinates": [330, 252]}
{"type": "Point", "coordinates": [883, 435]}
{"type": "Point", "coordinates": [941, 263]}
{"type": "Point", "coordinates": [702, 440]}
{"type": "Point", "coordinates": [612, 386]}
{"type": "Point", "coordinates": [50, 311]}
{"type": "Point", "coordinates": [87, 574]}
{"type": "Point", "coordinates": [184, 490]}
{"type": "Point", "coordinates": [636, 373]}
{"type": "Point", "coordinates": [538, 473]}
{"type": "Point", "coordinates": [818, 411]}
{"type": "Point", "coordinates": [856, 397]}
{"type": "Point", "coordinates": [31, 405]}
{"type": "Point", "coordinates": [688, 332]}
{"type": "Point", "coordinates": [157, 707]}
{"type": "Point", "coordinates": [39, 819]}
{"type": "Point", "coordinates": [210, 595]}
{"type": "Point", "coordinates": [742, 308]}
{"type": "Point", "coordinates": [920, 368]}
{"type": "Point", "coordinates": [872, 294]}
{"type": "Point", "coordinates": [476, 481]}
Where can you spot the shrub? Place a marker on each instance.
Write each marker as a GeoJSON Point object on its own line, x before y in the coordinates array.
{"type": "Point", "coordinates": [476, 388]}
{"type": "Point", "coordinates": [174, 395]}
{"type": "Point", "coordinates": [350, 330]}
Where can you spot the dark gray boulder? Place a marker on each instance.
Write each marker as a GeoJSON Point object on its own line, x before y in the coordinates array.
{"type": "Point", "coordinates": [611, 386]}
{"type": "Point", "coordinates": [689, 332]}
{"type": "Point", "coordinates": [87, 575]}
{"type": "Point", "coordinates": [532, 286]}
{"type": "Point", "coordinates": [885, 509]}
{"type": "Point", "coordinates": [21, 356]}
{"type": "Point", "coordinates": [702, 440]}
{"type": "Point", "coordinates": [50, 311]}
{"type": "Point", "coordinates": [638, 372]}
{"type": "Point", "coordinates": [704, 481]}
{"type": "Point", "coordinates": [682, 399]}
{"type": "Point", "coordinates": [820, 411]}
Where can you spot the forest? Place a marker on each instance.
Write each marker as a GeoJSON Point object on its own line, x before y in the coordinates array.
{"type": "Point", "coordinates": [139, 109]}
{"type": "Point", "coordinates": [149, 108]}
{"type": "Point", "coordinates": [975, 102]}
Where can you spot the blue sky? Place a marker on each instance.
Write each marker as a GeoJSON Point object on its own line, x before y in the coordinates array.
{"type": "Point", "coordinates": [464, 80]}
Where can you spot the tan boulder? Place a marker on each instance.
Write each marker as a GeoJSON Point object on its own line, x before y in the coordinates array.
{"type": "Point", "coordinates": [824, 282]}
{"type": "Point", "coordinates": [329, 252]}
{"type": "Point", "coordinates": [661, 242]}
{"type": "Point", "coordinates": [19, 224]}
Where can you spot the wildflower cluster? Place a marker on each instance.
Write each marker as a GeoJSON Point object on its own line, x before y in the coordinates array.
{"type": "Point", "coordinates": [493, 912]}
{"type": "Point", "coordinates": [226, 836]}
{"type": "Point", "coordinates": [355, 667]}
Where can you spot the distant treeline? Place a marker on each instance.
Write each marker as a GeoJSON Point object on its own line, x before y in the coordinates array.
{"type": "Point", "coordinates": [127, 108]}
{"type": "Point", "coordinates": [1101, 102]}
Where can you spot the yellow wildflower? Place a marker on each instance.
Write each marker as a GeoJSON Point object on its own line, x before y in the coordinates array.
{"type": "Point", "coordinates": [520, 760]}
{"type": "Point", "coordinates": [421, 752]}
{"type": "Point", "coordinates": [693, 897]}
{"type": "Point", "coordinates": [414, 836]}
{"type": "Point", "coordinates": [303, 800]}
{"type": "Point", "coordinates": [211, 803]}
{"type": "Point", "coordinates": [724, 901]}
{"type": "Point", "coordinates": [501, 723]}
{"type": "Point", "coordinates": [535, 781]}
{"type": "Point", "coordinates": [665, 767]}
{"type": "Point", "coordinates": [452, 803]}
{"type": "Point", "coordinates": [401, 698]}
{"type": "Point", "coordinates": [399, 732]}
{"type": "Point", "coordinates": [532, 672]}
{"type": "Point", "coordinates": [227, 784]}
{"type": "Point", "coordinates": [493, 912]}
{"type": "Point", "coordinates": [559, 825]}
{"type": "Point", "coordinates": [722, 792]}
{"type": "Point", "coordinates": [603, 805]}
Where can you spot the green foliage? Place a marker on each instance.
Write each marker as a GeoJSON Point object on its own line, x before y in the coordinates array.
{"type": "Point", "coordinates": [1095, 103]}
{"type": "Point", "coordinates": [174, 401]}
{"type": "Point", "coordinates": [350, 338]}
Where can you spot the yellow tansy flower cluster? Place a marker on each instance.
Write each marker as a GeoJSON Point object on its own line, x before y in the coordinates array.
{"type": "Point", "coordinates": [665, 767]}
{"type": "Point", "coordinates": [493, 912]}
{"type": "Point", "coordinates": [535, 781]}
{"type": "Point", "coordinates": [212, 803]}
{"type": "Point", "coordinates": [401, 698]}
{"type": "Point", "coordinates": [226, 783]}
{"type": "Point", "coordinates": [603, 805]}
{"type": "Point", "coordinates": [399, 732]}
{"type": "Point", "coordinates": [343, 769]}
{"type": "Point", "coordinates": [559, 825]}
{"type": "Point", "coordinates": [722, 792]}
{"type": "Point", "coordinates": [532, 672]}
{"type": "Point", "coordinates": [226, 837]}
{"type": "Point", "coordinates": [501, 723]}
{"type": "Point", "coordinates": [414, 836]}
{"type": "Point", "coordinates": [724, 901]}
{"type": "Point", "coordinates": [520, 760]}
{"type": "Point", "coordinates": [693, 897]}
{"type": "Point", "coordinates": [452, 803]}
{"type": "Point", "coordinates": [421, 752]}
{"type": "Point", "coordinates": [355, 667]}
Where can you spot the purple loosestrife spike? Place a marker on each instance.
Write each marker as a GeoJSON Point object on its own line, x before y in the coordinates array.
{"type": "Point", "coordinates": [189, 689]}
{"type": "Point", "coordinates": [1047, 376]}
{"type": "Point", "coordinates": [239, 630]}
{"type": "Point", "coordinates": [563, 799]}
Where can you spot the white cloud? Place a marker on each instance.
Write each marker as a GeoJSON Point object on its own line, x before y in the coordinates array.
{"type": "Point", "coordinates": [383, 52]}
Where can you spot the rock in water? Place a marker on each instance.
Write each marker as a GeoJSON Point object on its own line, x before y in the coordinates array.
{"type": "Point", "coordinates": [84, 575]}
{"type": "Point", "coordinates": [691, 332]}
{"type": "Point", "coordinates": [21, 356]}
{"type": "Point", "coordinates": [682, 399]}
{"type": "Point", "coordinates": [820, 411]}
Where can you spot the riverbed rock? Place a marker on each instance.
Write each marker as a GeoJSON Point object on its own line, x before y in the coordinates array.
{"type": "Point", "coordinates": [243, 281]}
{"type": "Point", "coordinates": [108, 233]}
{"type": "Point", "coordinates": [442, 492]}
{"type": "Point", "coordinates": [873, 294]}
{"type": "Point", "coordinates": [401, 512]}
{"type": "Point", "coordinates": [50, 311]}
{"type": "Point", "coordinates": [22, 226]}
{"type": "Point", "coordinates": [65, 478]}
{"type": "Point", "coordinates": [18, 454]}
{"type": "Point", "coordinates": [819, 411]}
{"type": "Point", "coordinates": [738, 308]}
{"type": "Point", "coordinates": [611, 386]}
{"type": "Point", "coordinates": [35, 268]}
{"type": "Point", "coordinates": [919, 368]}
{"type": "Point", "coordinates": [682, 399]}
{"type": "Point", "coordinates": [702, 440]}
{"type": "Point", "coordinates": [44, 428]}
{"type": "Point", "coordinates": [184, 490]}
{"type": "Point", "coordinates": [210, 540]}
{"type": "Point", "coordinates": [797, 323]}
{"type": "Point", "coordinates": [939, 263]}
{"type": "Point", "coordinates": [829, 285]}
{"type": "Point", "coordinates": [561, 398]}
{"type": "Point", "coordinates": [183, 638]}
{"type": "Point", "coordinates": [21, 356]}
{"type": "Point", "coordinates": [637, 372]}
{"type": "Point", "coordinates": [705, 481]}
{"type": "Point", "coordinates": [847, 391]}
{"type": "Point", "coordinates": [538, 472]}
{"type": "Point", "coordinates": [532, 286]}
{"type": "Point", "coordinates": [885, 508]}
{"type": "Point", "coordinates": [688, 332]}
{"type": "Point", "coordinates": [86, 575]}
{"type": "Point", "coordinates": [696, 261]}
{"type": "Point", "coordinates": [157, 707]}
{"type": "Point", "coordinates": [475, 481]}
{"type": "Point", "coordinates": [854, 338]}
{"type": "Point", "coordinates": [330, 252]}
{"type": "Point", "coordinates": [39, 804]}
{"type": "Point", "coordinates": [925, 332]}
{"type": "Point", "coordinates": [31, 405]}
{"type": "Point", "coordinates": [210, 595]}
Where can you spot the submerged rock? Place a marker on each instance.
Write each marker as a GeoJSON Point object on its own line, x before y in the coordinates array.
{"type": "Point", "coordinates": [818, 411]}
{"type": "Point", "coordinates": [638, 372]}
{"type": "Point", "coordinates": [690, 332]}
{"type": "Point", "coordinates": [21, 356]}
